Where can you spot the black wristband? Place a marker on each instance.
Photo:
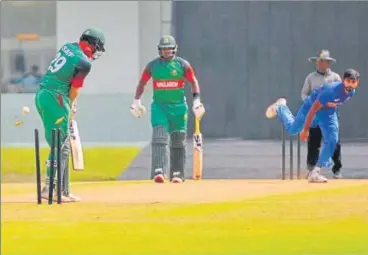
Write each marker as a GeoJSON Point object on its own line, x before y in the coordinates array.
{"type": "Point", "coordinates": [195, 95]}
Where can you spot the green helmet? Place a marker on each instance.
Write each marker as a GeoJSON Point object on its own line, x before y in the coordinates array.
{"type": "Point", "coordinates": [95, 37]}
{"type": "Point", "coordinates": [167, 42]}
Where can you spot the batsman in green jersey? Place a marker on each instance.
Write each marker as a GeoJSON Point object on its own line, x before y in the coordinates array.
{"type": "Point", "coordinates": [169, 110]}
{"type": "Point", "coordinates": [59, 88]}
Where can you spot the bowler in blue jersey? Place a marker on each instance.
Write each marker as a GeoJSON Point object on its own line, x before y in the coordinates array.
{"type": "Point", "coordinates": [319, 108]}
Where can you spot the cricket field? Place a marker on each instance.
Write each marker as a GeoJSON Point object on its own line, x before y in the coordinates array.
{"type": "Point", "coordinates": [227, 217]}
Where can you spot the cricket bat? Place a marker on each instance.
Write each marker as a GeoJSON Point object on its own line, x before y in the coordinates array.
{"type": "Point", "coordinates": [197, 151]}
{"type": "Point", "coordinates": [76, 147]}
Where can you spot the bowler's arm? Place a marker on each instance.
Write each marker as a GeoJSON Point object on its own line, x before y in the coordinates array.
{"type": "Point", "coordinates": [82, 70]}
{"type": "Point", "coordinates": [312, 112]}
{"type": "Point", "coordinates": [323, 99]}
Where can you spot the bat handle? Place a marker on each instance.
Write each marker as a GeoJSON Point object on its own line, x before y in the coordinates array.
{"type": "Point", "coordinates": [197, 125]}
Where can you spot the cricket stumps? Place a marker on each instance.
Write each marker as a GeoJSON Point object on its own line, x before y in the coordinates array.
{"type": "Point", "coordinates": [56, 140]}
{"type": "Point", "coordinates": [291, 156]}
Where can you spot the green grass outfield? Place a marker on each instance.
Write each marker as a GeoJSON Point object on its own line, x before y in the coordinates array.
{"type": "Point", "coordinates": [314, 222]}
{"type": "Point", "coordinates": [101, 163]}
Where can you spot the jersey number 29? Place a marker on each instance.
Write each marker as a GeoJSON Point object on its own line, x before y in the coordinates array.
{"type": "Point", "coordinates": [58, 62]}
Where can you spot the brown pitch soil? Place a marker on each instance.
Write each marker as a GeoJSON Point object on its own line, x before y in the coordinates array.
{"type": "Point", "coordinates": [190, 192]}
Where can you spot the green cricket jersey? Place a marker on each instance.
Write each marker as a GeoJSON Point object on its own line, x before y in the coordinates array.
{"type": "Point", "coordinates": [168, 79]}
{"type": "Point", "coordinates": [69, 61]}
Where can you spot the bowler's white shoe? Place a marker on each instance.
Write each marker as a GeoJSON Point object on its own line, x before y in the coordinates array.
{"type": "Point", "coordinates": [271, 110]}
{"type": "Point", "coordinates": [316, 177]}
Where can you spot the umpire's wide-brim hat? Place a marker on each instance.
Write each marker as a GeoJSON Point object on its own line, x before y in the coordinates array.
{"type": "Point", "coordinates": [322, 55]}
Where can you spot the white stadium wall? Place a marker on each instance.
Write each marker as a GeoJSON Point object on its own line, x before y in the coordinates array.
{"type": "Point", "coordinates": [117, 71]}
{"type": "Point", "coordinates": [132, 31]}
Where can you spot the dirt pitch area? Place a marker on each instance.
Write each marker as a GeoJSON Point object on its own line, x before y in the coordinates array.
{"type": "Point", "coordinates": [190, 192]}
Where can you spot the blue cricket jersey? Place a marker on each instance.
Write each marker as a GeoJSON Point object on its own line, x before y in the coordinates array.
{"type": "Point", "coordinates": [330, 92]}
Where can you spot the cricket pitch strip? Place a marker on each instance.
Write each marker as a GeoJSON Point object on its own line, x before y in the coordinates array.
{"type": "Point", "coordinates": [190, 192]}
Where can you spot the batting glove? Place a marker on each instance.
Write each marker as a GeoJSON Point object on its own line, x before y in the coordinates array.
{"type": "Point", "coordinates": [74, 108]}
{"type": "Point", "coordinates": [198, 108]}
{"type": "Point", "coordinates": [137, 109]}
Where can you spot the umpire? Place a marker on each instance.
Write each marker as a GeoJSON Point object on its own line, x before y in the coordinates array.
{"type": "Point", "coordinates": [322, 75]}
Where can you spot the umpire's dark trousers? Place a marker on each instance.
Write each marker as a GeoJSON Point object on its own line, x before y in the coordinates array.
{"type": "Point", "coordinates": [314, 144]}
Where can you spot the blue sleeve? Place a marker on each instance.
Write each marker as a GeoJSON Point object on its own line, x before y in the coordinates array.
{"type": "Point", "coordinates": [325, 96]}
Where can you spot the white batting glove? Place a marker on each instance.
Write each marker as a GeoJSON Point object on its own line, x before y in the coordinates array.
{"type": "Point", "coordinates": [74, 108]}
{"type": "Point", "coordinates": [137, 109]}
{"type": "Point", "coordinates": [198, 108]}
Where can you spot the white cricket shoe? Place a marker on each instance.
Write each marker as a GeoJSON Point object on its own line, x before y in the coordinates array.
{"type": "Point", "coordinates": [316, 177]}
{"type": "Point", "coordinates": [159, 176]}
{"type": "Point", "coordinates": [271, 110]}
{"type": "Point", "coordinates": [45, 195]}
{"type": "Point", "coordinates": [177, 180]}
{"type": "Point", "coordinates": [72, 198]}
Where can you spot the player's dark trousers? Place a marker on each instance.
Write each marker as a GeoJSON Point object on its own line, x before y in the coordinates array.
{"type": "Point", "coordinates": [314, 145]}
